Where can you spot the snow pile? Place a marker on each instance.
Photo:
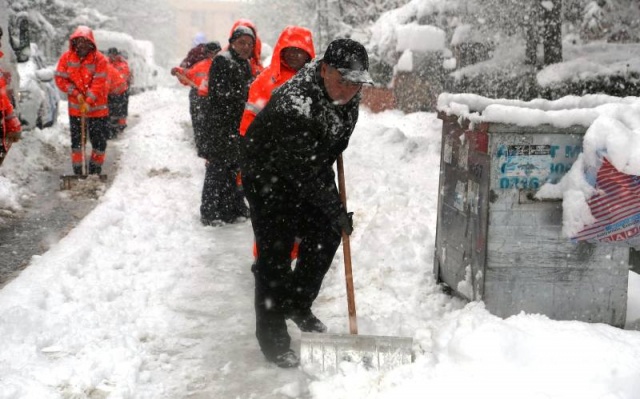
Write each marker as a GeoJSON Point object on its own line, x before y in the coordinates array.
{"type": "Point", "coordinates": [385, 36]}
{"type": "Point", "coordinates": [591, 61]}
{"type": "Point", "coordinates": [420, 38]}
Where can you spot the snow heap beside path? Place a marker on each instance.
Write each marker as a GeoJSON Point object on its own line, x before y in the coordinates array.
{"type": "Point", "coordinates": [613, 130]}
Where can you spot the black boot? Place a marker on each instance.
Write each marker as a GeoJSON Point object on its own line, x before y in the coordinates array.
{"type": "Point", "coordinates": [286, 360]}
{"type": "Point", "coordinates": [94, 169]}
{"type": "Point", "coordinates": [77, 170]}
{"type": "Point", "coordinates": [307, 321]}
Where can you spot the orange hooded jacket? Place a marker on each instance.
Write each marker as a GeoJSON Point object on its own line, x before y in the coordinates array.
{"type": "Point", "coordinates": [198, 74]}
{"type": "Point", "coordinates": [86, 76]}
{"type": "Point", "coordinates": [123, 67]}
{"type": "Point", "coordinates": [254, 61]}
{"type": "Point", "coordinates": [276, 73]}
{"type": "Point", "coordinates": [115, 81]}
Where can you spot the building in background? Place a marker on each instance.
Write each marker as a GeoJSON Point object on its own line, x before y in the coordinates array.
{"type": "Point", "coordinates": [213, 18]}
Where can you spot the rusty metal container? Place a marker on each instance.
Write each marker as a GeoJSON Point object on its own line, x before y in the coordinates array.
{"type": "Point", "coordinates": [496, 243]}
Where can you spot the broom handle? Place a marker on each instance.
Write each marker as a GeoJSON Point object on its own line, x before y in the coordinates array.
{"type": "Point", "coordinates": [346, 247]}
{"type": "Point", "coordinates": [83, 137]}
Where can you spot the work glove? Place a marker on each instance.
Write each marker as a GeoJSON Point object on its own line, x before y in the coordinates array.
{"type": "Point", "coordinates": [84, 107]}
{"type": "Point", "coordinates": [345, 223]}
{"type": "Point", "coordinates": [174, 71]}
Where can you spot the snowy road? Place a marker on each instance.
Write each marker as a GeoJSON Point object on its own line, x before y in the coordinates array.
{"type": "Point", "coordinates": [141, 301]}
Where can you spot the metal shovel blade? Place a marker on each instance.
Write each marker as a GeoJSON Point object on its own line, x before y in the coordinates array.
{"type": "Point", "coordinates": [66, 181]}
{"type": "Point", "coordinates": [325, 352]}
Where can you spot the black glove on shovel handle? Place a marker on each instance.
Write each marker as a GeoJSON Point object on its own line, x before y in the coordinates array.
{"type": "Point", "coordinates": [345, 223]}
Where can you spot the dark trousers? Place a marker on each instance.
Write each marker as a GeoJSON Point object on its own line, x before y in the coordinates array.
{"type": "Point", "coordinates": [278, 216]}
{"type": "Point", "coordinates": [117, 105]}
{"type": "Point", "coordinates": [222, 199]}
{"type": "Point", "coordinates": [197, 109]}
{"type": "Point", "coordinates": [97, 130]}
{"type": "Point", "coordinates": [117, 112]}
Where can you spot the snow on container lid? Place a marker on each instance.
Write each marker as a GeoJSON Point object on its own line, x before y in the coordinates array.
{"type": "Point", "coordinates": [564, 112]}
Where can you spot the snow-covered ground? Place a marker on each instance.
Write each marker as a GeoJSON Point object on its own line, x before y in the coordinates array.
{"type": "Point", "coordinates": [141, 301]}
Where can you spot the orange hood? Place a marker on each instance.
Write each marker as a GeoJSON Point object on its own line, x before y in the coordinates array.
{"type": "Point", "coordinates": [293, 36]}
{"type": "Point", "coordinates": [82, 31]}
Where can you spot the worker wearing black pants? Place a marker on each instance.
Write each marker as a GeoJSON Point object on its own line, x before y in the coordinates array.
{"type": "Point", "coordinates": [97, 131]}
{"type": "Point", "coordinates": [198, 108]}
{"type": "Point", "coordinates": [278, 217]}
{"type": "Point", "coordinates": [222, 199]}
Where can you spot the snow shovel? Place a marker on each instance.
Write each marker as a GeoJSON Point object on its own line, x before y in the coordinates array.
{"type": "Point", "coordinates": [325, 352]}
{"type": "Point", "coordinates": [65, 180]}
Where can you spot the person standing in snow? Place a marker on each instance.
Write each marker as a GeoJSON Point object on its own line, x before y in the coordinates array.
{"type": "Point", "coordinates": [118, 98]}
{"type": "Point", "coordinates": [82, 74]}
{"type": "Point", "coordinates": [287, 172]}
{"type": "Point", "coordinates": [10, 128]}
{"type": "Point", "coordinates": [293, 50]}
{"type": "Point", "coordinates": [197, 77]}
{"type": "Point", "coordinates": [229, 79]}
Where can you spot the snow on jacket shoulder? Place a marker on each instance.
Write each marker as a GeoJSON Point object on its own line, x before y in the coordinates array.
{"type": "Point", "coordinates": [86, 76]}
{"type": "Point", "coordinates": [311, 132]}
{"type": "Point", "coordinates": [276, 73]}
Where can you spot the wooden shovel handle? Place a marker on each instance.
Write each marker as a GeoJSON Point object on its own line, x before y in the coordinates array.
{"type": "Point", "coordinates": [346, 247]}
{"type": "Point", "coordinates": [83, 139]}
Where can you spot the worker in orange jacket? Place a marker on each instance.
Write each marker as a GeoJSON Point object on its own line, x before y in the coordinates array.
{"type": "Point", "coordinates": [197, 77]}
{"type": "Point", "coordinates": [292, 51]}
{"type": "Point", "coordinates": [118, 99]}
{"type": "Point", "coordinates": [82, 74]}
{"type": "Point", "coordinates": [10, 128]}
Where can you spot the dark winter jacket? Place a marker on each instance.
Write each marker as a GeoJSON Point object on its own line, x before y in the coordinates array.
{"type": "Point", "coordinates": [298, 137]}
{"type": "Point", "coordinates": [229, 80]}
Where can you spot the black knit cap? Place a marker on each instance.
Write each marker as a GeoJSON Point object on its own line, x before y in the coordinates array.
{"type": "Point", "coordinates": [112, 51]}
{"type": "Point", "coordinates": [213, 46]}
{"type": "Point", "coordinates": [242, 31]}
{"type": "Point", "coordinates": [350, 58]}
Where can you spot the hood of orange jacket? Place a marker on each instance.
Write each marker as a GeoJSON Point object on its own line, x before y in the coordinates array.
{"type": "Point", "coordinates": [291, 36]}
{"type": "Point", "coordinates": [82, 31]}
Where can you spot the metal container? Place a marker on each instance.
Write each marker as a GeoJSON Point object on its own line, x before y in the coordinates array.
{"type": "Point", "coordinates": [496, 243]}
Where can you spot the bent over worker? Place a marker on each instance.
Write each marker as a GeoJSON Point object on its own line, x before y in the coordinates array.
{"type": "Point", "coordinates": [82, 74]}
{"type": "Point", "coordinates": [287, 173]}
